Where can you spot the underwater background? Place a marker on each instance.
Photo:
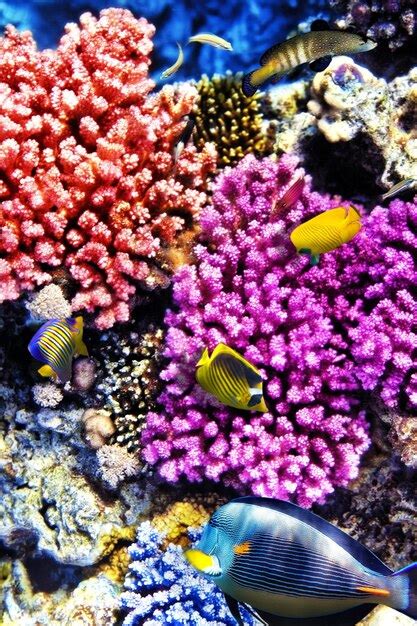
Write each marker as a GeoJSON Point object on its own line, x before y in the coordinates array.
{"type": "Point", "coordinates": [147, 218]}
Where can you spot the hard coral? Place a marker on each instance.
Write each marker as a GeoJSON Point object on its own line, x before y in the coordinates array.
{"type": "Point", "coordinates": [86, 163]}
{"type": "Point", "coordinates": [394, 21]}
{"type": "Point", "coordinates": [163, 589]}
{"type": "Point", "coordinates": [224, 115]}
{"type": "Point", "coordinates": [247, 290]}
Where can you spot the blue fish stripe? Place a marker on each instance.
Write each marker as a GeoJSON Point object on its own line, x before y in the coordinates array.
{"type": "Point", "coordinates": [54, 344]}
{"type": "Point", "coordinates": [283, 567]}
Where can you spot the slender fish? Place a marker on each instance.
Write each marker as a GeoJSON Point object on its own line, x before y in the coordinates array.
{"type": "Point", "coordinates": [326, 231]}
{"type": "Point", "coordinates": [403, 185]}
{"type": "Point", "coordinates": [231, 379]}
{"type": "Point", "coordinates": [212, 40]}
{"type": "Point", "coordinates": [55, 344]}
{"type": "Point", "coordinates": [289, 198]}
{"type": "Point", "coordinates": [175, 67]}
{"type": "Point", "coordinates": [316, 48]}
{"type": "Point", "coordinates": [285, 561]}
{"type": "Point", "coordinates": [183, 139]}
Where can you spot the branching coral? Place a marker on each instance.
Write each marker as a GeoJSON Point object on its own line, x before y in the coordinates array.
{"type": "Point", "coordinates": [116, 464]}
{"type": "Point", "coordinates": [394, 21]}
{"type": "Point", "coordinates": [163, 589]}
{"type": "Point", "coordinates": [247, 290]}
{"type": "Point", "coordinates": [87, 165]}
{"type": "Point", "coordinates": [224, 115]}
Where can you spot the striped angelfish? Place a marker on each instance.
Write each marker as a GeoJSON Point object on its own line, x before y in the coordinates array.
{"type": "Point", "coordinates": [326, 231]}
{"type": "Point", "coordinates": [285, 561]}
{"type": "Point", "coordinates": [316, 48]}
{"type": "Point", "coordinates": [229, 377]}
{"type": "Point", "coordinates": [55, 343]}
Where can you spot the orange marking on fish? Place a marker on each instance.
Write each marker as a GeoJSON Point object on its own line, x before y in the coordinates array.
{"type": "Point", "coordinates": [242, 548]}
{"type": "Point", "coordinates": [374, 591]}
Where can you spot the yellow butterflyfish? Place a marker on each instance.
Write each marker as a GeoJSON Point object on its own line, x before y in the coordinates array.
{"type": "Point", "coordinates": [325, 232]}
{"type": "Point", "coordinates": [229, 377]}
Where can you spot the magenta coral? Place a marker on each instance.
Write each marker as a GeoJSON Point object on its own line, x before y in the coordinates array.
{"type": "Point", "coordinates": [86, 162]}
{"type": "Point", "coordinates": [247, 290]}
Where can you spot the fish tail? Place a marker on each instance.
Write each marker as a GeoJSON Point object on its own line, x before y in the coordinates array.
{"type": "Point", "coordinates": [248, 88]}
{"type": "Point", "coordinates": [408, 598]}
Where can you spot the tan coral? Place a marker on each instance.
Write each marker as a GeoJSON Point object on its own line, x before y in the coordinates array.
{"type": "Point", "coordinates": [190, 512]}
{"type": "Point", "coordinates": [98, 426]}
{"type": "Point", "coordinates": [224, 115]}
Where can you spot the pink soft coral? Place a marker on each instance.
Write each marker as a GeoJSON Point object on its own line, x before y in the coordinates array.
{"type": "Point", "coordinates": [86, 163]}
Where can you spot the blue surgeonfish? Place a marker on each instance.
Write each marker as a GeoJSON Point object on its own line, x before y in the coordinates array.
{"type": "Point", "coordinates": [231, 379]}
{"type": "Point", "coordinates": [282, 560]}
{"type": "Point", "coordinates": [55, 344]}
{"type": "Point", "coordinates": [316, 48]}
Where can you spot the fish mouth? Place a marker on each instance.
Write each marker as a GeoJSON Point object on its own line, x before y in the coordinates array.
{"type": "Point", "coordinates": [368, 44]}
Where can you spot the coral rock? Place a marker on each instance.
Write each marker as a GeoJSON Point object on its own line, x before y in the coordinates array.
{"type": "Point", "coordinates": [98, 426]}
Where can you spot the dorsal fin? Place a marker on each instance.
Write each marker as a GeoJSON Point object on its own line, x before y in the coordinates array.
{"type": "Point", "coordinates": [319, 25]}
{"type": "Point", "coordinates": [270, 53]}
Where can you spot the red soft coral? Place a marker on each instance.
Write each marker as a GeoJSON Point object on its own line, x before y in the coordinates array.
{"type": "Point", "coordinates": [86, 164]}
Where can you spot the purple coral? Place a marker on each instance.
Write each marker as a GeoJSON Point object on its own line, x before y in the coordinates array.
{"type": "Point", "coordinates": [247, 290]}
{"type": "Point", "coordinates": [161, 588]}
{"type": "Point", "coordinates": [394, 21]}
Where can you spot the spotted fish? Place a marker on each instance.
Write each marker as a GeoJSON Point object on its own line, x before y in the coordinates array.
{"type": "Point", "coordinates": [55, 344]}
{"type": "Point", "coordinates": [326, 231]}
{"type": "Point", "coordinates": [231, 379]}
{"type": "Point", "coordinates": [285, 561]}
{"type": "Point", "coordinates": [316, 48]}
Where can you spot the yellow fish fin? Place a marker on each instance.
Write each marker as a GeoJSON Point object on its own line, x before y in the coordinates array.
{"type": "Point", "coordinates": [47, 372]}
{"type": "Point", "coordinates": [206, 563]}
{"type": "Point", "coordinates": [204, 359]}
{"type": "Point", "coordinates": [242, 548]}
{"type": "Point", "coordinates": [374, 591]}
{"type": "Point", "coordinates": [80, 347]}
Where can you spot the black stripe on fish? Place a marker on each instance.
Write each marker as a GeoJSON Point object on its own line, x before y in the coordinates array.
{"type": "Point", "coordinates": [247, 87]}
{"type": "Point", "coordinates": [354, 548]}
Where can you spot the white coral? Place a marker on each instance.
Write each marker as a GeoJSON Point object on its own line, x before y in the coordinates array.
{"type": "Point", "coordinates": [47, 394]}
{"type": "Point", "coordinates": [49, 303]}
{"type": "Point", "coordinates": [116, 464]}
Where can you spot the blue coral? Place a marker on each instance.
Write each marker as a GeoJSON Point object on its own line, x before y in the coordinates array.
{"type": "Point", "coordinates": [163, 589]}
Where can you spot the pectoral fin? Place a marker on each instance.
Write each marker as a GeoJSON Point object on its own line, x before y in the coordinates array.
{"type": "Point", "coordinates": [234, 609]}
{"type": "Point", "coordinates": [81, 348]}
{"type": "Point", "coordinates": [320, 64]}
{"type": "Point", "coordinates": [47, 371]}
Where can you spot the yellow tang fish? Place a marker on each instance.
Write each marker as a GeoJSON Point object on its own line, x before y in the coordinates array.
{"type": "Point", "coordinates": [231, 379]}
{"type": "Point", "coordinates": [326, 231]}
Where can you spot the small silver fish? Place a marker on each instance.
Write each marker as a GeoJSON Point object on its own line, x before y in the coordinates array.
{"type": "Point", "coordinates": [175, 67]}
{"type": "Point", "coordinates": [316, 48]}
{"type": "Point", "coordinates": [403, 185]}
{"type": "Point", "coordinates": [212, 40]}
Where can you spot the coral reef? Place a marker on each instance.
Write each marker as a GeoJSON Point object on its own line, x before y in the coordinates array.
{"type": "Point", "coordinates": [47, 395]}
{"type": "Point", "coordinates": [247, 290]}
{"type": "Point", "coordinates": [162, 588]}
{"type": "Point", "coordinates": [116, 464]}
{"type": "Point", "coordinates": [98, 427]}
{"type": "Point", "coordinates": [227, 117]}
{"type": "Point", "coordinates": [192, 511]}
{"type": "Point", "coordinates": [128, 377]}
{"type": "Point", "coordinates": [356, 121]}
{"type": "Point", "coordinates": [87, 165]}
{"type": "Point", "coordinates": [393, 21]}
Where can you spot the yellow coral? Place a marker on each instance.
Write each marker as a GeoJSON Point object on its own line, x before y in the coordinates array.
{"type": "Point", "coordinates": [192, 511]}
{"type": "Point", "coordinates": [116, 566]}
{"type": "Point", "coordinates": [108, 541]}
{"type": "Point", "coordinates": [224, 115]}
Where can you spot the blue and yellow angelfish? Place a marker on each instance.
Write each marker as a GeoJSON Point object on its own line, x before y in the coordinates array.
{"type": "Point", "coordinates": [285, 561]}
{"type": "Point", "coordinates": [55, 344]}
{"type": "Point", "coordinates": [229, 377]}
